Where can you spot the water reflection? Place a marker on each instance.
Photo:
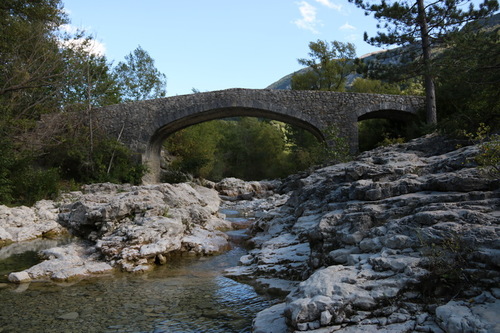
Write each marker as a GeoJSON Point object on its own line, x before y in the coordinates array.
{"type": "Point", "coordinates": [188, 294]}
{"type": "Point", "coordinates": [22, 255]}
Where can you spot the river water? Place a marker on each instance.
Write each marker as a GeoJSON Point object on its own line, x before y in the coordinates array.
{"type": "Point", "coordinates": [189, 294]}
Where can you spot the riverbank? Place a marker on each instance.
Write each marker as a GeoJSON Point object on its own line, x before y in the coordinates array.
{"type": "Point", "coordinates": [187, 294]}
{"type": "Point", "coordinates": [404, 238]}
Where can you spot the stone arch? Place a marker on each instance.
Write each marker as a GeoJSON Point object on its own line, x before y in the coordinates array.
{"type": "Point", "coordinates": [392, 111]}
{"type": "Point", "coordinates": [388, 114]}
{"type": "Point", "coordinates": [397, 108]}
{"type": "Point", "coordinates": [151, 157]}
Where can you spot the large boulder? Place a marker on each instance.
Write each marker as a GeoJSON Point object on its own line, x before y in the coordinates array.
{"type": "Point", "coordinates": [22, 223]}
{"type": "Point", "coordinates": [129, 227]}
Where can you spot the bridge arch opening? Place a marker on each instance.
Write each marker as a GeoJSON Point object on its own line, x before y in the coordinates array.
{"type": "Point", "coordinates": [227, 114]}
{"type": "Point", "coordinates": [380, 127]}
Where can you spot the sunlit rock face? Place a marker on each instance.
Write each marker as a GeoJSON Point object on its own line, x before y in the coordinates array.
{"type": "Point", "coordinates": [19, 224]}
{"type": "Point", "coordinates": [131, 228]}
{"type": "Point", "coordinates": [380, 242]}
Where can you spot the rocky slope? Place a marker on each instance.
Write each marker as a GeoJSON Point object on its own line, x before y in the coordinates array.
{"type": "Point", "coordinates": [404, 239]}
{"type": "Point", "coordinates": [131, 228]}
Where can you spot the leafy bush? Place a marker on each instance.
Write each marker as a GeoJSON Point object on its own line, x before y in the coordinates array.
{"type": "Point", "coordinates": [448, 263]}
{"type": "Point", "coordinates": [33, 184]}
{"type": "Point", "coordinates": [488, 157]}
{"type": "Point", "coordinates": [87, 156]}
{"type": "Point", "coordinates": [21, 183]}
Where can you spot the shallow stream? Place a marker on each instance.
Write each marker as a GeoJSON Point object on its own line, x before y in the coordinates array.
{"type": "Point", "coordinates": [189, 294]}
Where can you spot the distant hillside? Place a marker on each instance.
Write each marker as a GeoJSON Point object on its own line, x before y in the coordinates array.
{"type": "Point", "coordinates": [286, 81]}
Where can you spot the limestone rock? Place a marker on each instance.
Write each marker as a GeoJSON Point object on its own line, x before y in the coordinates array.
{"type": "Point", "coordinates": [65, 263]}
{"type": "Point", "coordinates": [270, 320]}
{"type": "Point", "coordinates": [25, 223]}
{"type": "Point", "coordinates": [469, 317]}
{"type": "Point", "coordinates": [128, 227]}
{"type": "Point", "coordinates": [376, 229]}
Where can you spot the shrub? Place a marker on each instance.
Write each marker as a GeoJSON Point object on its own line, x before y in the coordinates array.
{"type": "Point", "coordinates": [488, 157]}
{"type": "Point", "coordinates": [448, 263]}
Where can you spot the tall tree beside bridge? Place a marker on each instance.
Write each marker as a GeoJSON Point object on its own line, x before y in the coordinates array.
{"type": "Point", "coordinates": [423, 23]}
{"type": "Point", "coordinates": [138, 77]}
{"type": "Point", "coordinates": [329, 63]}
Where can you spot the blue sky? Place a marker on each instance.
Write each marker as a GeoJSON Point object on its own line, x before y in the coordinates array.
{"type": "Point", "coordinates": [219, 44]}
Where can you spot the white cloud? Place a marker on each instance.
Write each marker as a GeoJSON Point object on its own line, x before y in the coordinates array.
{"type": "Point", "coordinates": [347, 26]}
{"type": "Point", "coordinates": [308, 21]}
{"type": "Point", "coordinates": [68, 28]}
{"type": "Point", "coordinates": [92, 46]}
{"type": "Point", "coordinates": [330, 4]}
{"type": "Point", "coordinates": [352, 38]}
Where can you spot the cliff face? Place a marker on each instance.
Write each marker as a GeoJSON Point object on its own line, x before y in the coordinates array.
{"type": "Point", "coordinates": [401, 239]}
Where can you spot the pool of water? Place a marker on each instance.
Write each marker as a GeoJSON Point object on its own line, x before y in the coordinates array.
{"type": "Point", "coordinates": [189, 294]}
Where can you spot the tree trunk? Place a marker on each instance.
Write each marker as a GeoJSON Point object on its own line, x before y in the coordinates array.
{"type": "Point", "coordinates": [430, 93]}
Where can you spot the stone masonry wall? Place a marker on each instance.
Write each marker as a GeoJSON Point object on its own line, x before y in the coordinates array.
{"type": "Point", "coordinates": [145, 124]}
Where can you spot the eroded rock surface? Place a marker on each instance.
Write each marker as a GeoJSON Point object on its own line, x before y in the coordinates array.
{"type": "Point", "coordinates": [25, 223]}
{"type": "Point", "coordinates": [131, 228]}
{"type": "Point", "coordinates": [380, 243]}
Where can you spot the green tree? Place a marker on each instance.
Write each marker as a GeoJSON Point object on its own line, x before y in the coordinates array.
{"type": "Point", "coordinates": [253, 149]}
{"type": "Point", "coordinates": [468, 82]}
{"type": "Point", "coordinates": [194, 149]}
{"type": "Point", "coordinates": [44, 72]}
{"type": "Point", "coordinates": [330, 65]}
{"type": "Point", "coordinates": [412, 22]}
{"type": "Point", "coordinates": [362, 85]}
{"type": "Point", "coordinates": [31, 65]}
{"type": "Point", "coordinates": [139, 78]}
{"type": "Point", "coordinates": [31, 72]}
{"type": "Point", "coordinates": [90, 81]}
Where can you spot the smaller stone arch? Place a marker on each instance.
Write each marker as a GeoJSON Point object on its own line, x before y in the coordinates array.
{"type": "Point", "coordinates": [398, 109]}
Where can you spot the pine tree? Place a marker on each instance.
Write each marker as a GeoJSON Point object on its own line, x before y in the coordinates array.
{"type": "Point", "coordinates": [423, 23]}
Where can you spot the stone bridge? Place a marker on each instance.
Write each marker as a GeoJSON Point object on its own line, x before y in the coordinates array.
{"type": "Point", "coordinates": [144, 125]}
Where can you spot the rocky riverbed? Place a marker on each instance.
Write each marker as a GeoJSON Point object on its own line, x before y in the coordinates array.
{"type": "Point", "coordinates": [403, 239]}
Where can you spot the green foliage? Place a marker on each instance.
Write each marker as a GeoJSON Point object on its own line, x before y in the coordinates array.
{"type": "Point", "coordinates": [447, 263]}
{"type": "Point", "coordinates": [336, 147]}
{"type": "Point", "coordinates": [31, 64]}
{"type": "Point", "coordinates": [391, 141]}
{"type": "Point", "coordinates": [87, 158]}
{"type": "Point", "coordinates": [381, 132]}
{"type": "Point", "coordinates": [252, 149]}
{"type": "Point", "coordinates": [330, 64]}
{"type": "Point", "coordinates": [468, 91]}
{"type": "Point", "coordinates": [44, 71]}
{"type": "Point", "coordinates": [194, 149]}
{"type": "Point", "coordinates": [417, 22]}
{"type": "Point", "coordinates": [32, 184]}
{"type": "Point", "coordinates": [91, 82]}
{"type": "Point", "coordinates": [20, 181]}
{"type": "Point", "coordinates": [361, 85]}
{"type": "Point", "coordinates": [488, 157]}
{"type": "Point", "coordinates": [304, 149]}
{"type": "Point", "coordinates": [6, 168]}
{"type": "Point", "coordinates": [139, 78]}
{"type": "Point", "coordinates": [246, 148]}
